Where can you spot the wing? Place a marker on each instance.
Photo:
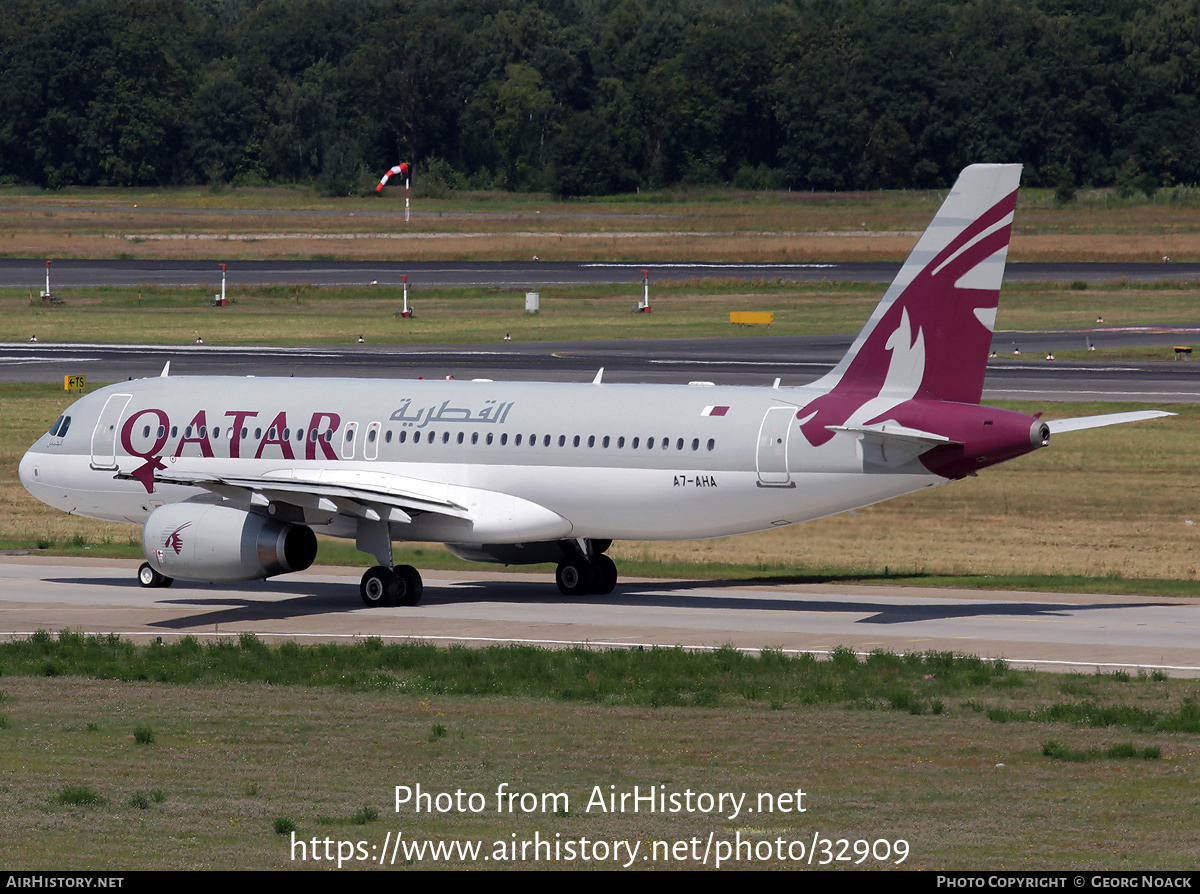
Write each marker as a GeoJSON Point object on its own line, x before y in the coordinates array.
{"type": "Point", "coordinates": [370, 495]}
{"type": "Point", "coordinates": [376, 501]}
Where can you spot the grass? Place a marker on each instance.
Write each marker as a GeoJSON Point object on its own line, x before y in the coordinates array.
{"type": "Point", "coordinates": [1123, 751]}
{"type": "Point", "coordinates": [322, 758]}
{"type": "Point", "coordinates": [689, 309]}
{"type": "Point", "coordinates": [308, 315]}
{"type": "Point", "coordinates": [700, 224]}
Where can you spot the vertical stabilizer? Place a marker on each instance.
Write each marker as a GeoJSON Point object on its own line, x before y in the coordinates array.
{"type": "Point", "coordinates": [930, 335]}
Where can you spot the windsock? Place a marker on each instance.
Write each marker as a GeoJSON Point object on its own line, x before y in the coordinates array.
{"type": "Point", "coordinates": [401, 168]}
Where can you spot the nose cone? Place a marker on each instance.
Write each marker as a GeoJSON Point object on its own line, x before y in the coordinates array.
{"type": "Point", "coordinates": [31, 473]}
{"type": "Point", "coordinates": [28, 470]}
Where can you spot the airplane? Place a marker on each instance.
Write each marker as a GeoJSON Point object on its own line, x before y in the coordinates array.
{"type": "Point", "coordinates": [230, 477]}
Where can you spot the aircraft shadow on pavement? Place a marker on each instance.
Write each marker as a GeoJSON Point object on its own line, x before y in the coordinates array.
{"type": "Point", "coordinates": [229, 603]}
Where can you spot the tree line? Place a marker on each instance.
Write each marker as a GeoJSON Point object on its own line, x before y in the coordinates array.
{"type": "Point", "coordinates": [598, 96]}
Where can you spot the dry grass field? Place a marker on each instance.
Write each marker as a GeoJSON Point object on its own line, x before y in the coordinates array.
{"type": "Point", "coordinates": [686, 226]}
{"type": "Point", "coordinates": [695, 309]}
{"type": "Point", "coordinates": [222, 767]}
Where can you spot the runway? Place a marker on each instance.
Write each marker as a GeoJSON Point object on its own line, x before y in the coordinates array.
{"type": "Point", "coordinates": [1055, 632]}
{"type": "Point", "coordinates": [73, 273]}
{"type": "Point", "coordinates": [795, 360]}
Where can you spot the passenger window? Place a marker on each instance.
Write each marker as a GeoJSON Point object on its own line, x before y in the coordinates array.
{"type": "Point", "coordinates": [711, 443]}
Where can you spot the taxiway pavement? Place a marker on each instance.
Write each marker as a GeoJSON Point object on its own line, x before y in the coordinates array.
{"type": "Point", "coordinates": [1048, 631]}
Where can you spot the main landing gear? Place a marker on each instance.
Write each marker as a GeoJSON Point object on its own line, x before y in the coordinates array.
{"type": "Point", "coordinates": [580, 576]}
{"type": "Point", "coordinates": [387, 586]}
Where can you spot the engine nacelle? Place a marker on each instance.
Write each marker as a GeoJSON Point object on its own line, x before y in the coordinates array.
{"type": "Point", "coordinates": [211, 542]}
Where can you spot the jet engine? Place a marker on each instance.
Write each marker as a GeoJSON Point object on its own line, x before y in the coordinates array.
{"type": "Point", "coordinates": [212, 542]}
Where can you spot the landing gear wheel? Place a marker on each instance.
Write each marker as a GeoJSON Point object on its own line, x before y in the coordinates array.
{"type": "Point", "coordinates": [148, 577]}
{"type": "Point", "coordinates": [380, 586]}
{"type": "Point", "coordinates": [411, 586]}
{"type": "Point", "coordinates": [605, 570]}
{"type": "Point", "coordinates": [574, 577]}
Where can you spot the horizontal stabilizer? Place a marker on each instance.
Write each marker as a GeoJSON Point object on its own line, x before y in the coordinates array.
{"type": "Point", "coordinates": [892, 444]}
{"type": "Point", "coordinates": [895, 432]}
{"type": "Point", "coordinates": [1079, 423]}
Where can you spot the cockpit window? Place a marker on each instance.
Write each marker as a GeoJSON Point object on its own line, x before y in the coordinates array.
{"type": "Point", "coordinates": [60, 426]}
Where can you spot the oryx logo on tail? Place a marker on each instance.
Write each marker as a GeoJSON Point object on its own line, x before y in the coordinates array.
{"type": "Point", "coordinates": [930, 335]}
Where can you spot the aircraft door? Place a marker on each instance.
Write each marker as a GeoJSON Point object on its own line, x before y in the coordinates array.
{"type": "Point", "coordinates": [371, 444]}
{"type": "Point", "coordinates": [104, 438]}
{"type": "Point", "coordinates": [772, 448]}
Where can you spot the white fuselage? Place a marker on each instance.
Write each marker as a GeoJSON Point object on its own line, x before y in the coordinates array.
{"type": "Point", "coordinates": [525, 461]}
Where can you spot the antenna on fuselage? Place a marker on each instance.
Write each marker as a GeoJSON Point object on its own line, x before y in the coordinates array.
{"type": "Point", "coordinates": [166, 370]}
{"type": "Point", "coordinates": [599, 376]}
